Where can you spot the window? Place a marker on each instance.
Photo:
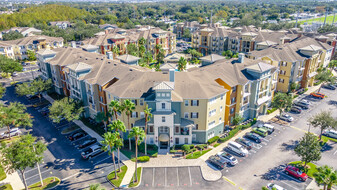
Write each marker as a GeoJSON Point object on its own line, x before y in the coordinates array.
{"type": "Point", "coordinates": [102, 109]}
{"type": "Point", "coordinates": [211, 124]}
{"type": "Point", "coordinates": [151, 129]}
{"type": "Point", "coordinates": [163, 94]}
{"type": "Point", "coordinates": [194, 102]}
{"type": "Point", "coordinates": [186, 140]}
{"type": "Point", "coordinates": [158, 94]}
{"type": "Point", "coordinates": [221, 97]}
{"type": "Point", "coordinates": [234, 89]}
{"type": "Point", "coordinates": [177, 141]}
{"type": "Point", "coordinates": [134, 101]}
{"type": "Point", "coordinates": [142, 115]}
{"type": "Point", "coordinates": [232, 110]}
{"type": "Point", "coordinates": [131, 125]}
{"type": "Point", "coordinates": [100, 88]}
{"type": "Point", "coordinates": [212, 112]}
{"type": "Point", "coordinates": [151, 140]}
{"type": "Point", "coordinates": [186, 115]}
{"type": "Point", "coordinates": [134, 114]}
{"type": "Point", "coordinates": [282, 72]}
{"type": "Point", "coordinates": [167, 94]}
{"type": "Point", "coordinates": [162, 105]}
{"type": "Point", "coordinates": [163, 119]}
{"type": "Point", "coordinates": [220, 119]}
{"type": "Point", "coordinates": [177, 129]}
{"type": "Point", "coordinates": [233, 100]}
{"type": "Point", "coordinates": [141, 102]}
{"type": "Point", "coordinates": [194, 114]}
{"type": "Point", "coordinates": [284, 64]}
{"type": "Point", "coordinates": [281, 80]}
{"type": "Point", "coordinates": [210, 135]}
{"type": "Point", "coordinates": [220, 108]}
{"type": "Point", "coordinates": [186, 102]}
{"type": "Point", "coordinates": [212, 100]}
{"type": "Point", "coordinates": [194, 137]}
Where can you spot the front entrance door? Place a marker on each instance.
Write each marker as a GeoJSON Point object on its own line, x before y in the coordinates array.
{"type": "Point", "coordinates": [163, 145]}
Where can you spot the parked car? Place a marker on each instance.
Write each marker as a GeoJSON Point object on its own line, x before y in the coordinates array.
{"type": "Point", "coordinates": [77, 135]}
{"type": "Point", "coordinates": [254, 137]}
{"type": "Point", "coordinates": [228, 158]}
{"type": "Point", "coordinates": [295, 172]}
{"type": "Point", "coordinates": [237, 148]}
{"type": "Point", "coordinates": [329, 86]}
{"type": "Point", "coordinates": [286, 117]}
{"type": "Point", "coordinates": [217, 162]}
{"type": "Point", "coordinates": [244, 142]}
{"type": "Point", "coordinates": [330, 133]}
{"type": "Point", "coordinates": [317, 95]}
{"type": "Point", "coordinates": [91, 151]}
{"type": "Point", "coordinates": [87, 143]}
{"type": "Point", "coordinates": [260, 131]}
{"type": "Point", "coordinates": [272, 186]}
{"type": "Point", "coordinates": [296, 109]}
{"type": "Point", "coordinates": [13, 132]}
{"type": "Point", "coordinates": [14, 74]}
{"type": "Point", "coordinates": [269, 128]}
{"type": "Point", "coordinates": [32, 97]}
{"type": "Point", "coordinates": [46, 112]}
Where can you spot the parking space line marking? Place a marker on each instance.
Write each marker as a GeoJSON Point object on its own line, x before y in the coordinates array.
{"type": "Point", "coordinates": [102, 160]}
{"type": "Point", "coordinates": [298, 129]}
{"type": "Point", "coordinates": [37, 174]}
{"type": "Point", "coordinates": [70, 176]}
{"type": "Point", "coordinates": [177, 177]}
{"type": "Point", "coordinates": [35, 168]}
{"type": "Point", "coordinates": [289, 177]}
{"type": "Point", "coordinates": [165, 177]}
{"type": "Point", "coordinates": [335, 152]}
{"type": "Point", "coordinates": [230, 181]}
{"type": "Point", "coordinates": [153, 177]}
{"type": "Point", "coordinates": [189, 173]}
{"type": "Point", "coordinates": [288, 185]}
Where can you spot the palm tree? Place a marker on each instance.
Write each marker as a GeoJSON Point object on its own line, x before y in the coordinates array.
{"type": "Point", "coordinates": [114, 107]}
{"type": "Point", "coordinates": [102, 117]}
{"type": "Point", "coordinates": [182, 64]}
{"type": "Point", "coordinates": [115, 51]}
{"type": "Point", "coordinates": [148, 57]}
{"type": "Point", "coordinates": [129, 107]}
{"type": "Point", "coordinates": [14, 115]}
{"type": "Point", "coordinates": [139, 136]}
{"type": "Point", "coordinates": [118, 126]}
{"type": "Point", "coordinates": [95, 187]}
{"type": "Point", "coordinates": [148, 115]}
{"type": "Point", "coordinates": [332, 64]}
{"type": "Point", "coordinates": [109, 145]}
{"type": "Point", "coordinates": [327, 176]}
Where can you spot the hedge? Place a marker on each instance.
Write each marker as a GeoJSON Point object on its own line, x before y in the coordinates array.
{"type": "Point", "coordinates": [236, 130]}
{"type": "Point", "coordinates": [141, 159]}
{"type": "Point", "coordinates": [271, 110]}
{"type": "Point", "coordinates": [201, 146]}
{"type": "Point", "coordinates": [213, 139]}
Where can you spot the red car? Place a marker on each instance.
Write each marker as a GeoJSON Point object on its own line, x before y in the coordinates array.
{"type": "Point", "coordinates": [317, 95]}
{"type": "Point", "coordinates": [295, 172]}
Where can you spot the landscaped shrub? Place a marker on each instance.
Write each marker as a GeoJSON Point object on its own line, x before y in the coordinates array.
{"type": "Point", "coordinates": [271, 110]}
{"type": "Point", "coordinates": [186, 147]}
{"type": "Point", "coordinates": [192, 146]}
{"type": "Point", "coordinates": [306, 89]}
{"type": "Point", "coordinates": [154, 155]}
{"type": "Point", "coordinates": [173, 151]}
{"type": "Point", "coordinates": [142, 159]}
{"type": "Point", "coordinates": [201, 146]}
{"type": "Point", "coordinates": [213, 139]}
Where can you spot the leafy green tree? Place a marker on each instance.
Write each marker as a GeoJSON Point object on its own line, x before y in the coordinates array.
{"type": "Point", "coordinates": [115, 51]}
{"type": "Point", "coordinates": [308, 149]}
{"type": "Point", "coordinates": [31, 55]}
{"type": "Point", "coordinates": [14, 115]}
{"type": "Point", "coordinates": [95, 187]}
{"type": "Point", "coordinates": [8, 65]}
{"type": "Point", "coordinates": [160, 56]}
{"type": "Point", "coordinates": [332, 64]}
{"type": "Point", "coordinates": [324, 77]}
{"type": "Point", "coordinates": [182, 64]}
{"type": "Point", "coordinates": [282, 101]}
{"type": "Point", "coordinates": [148, 116]}
{"type": "Point", "coordinates": [228, 53]}
{"type": "Point", "coordinates": [327, 176]}
{"type": "Point", "coordinates": [323, 120]}
{"type": "Point", "coordinates": [148, 57]}
{"type": "Point", "coordinates": [2, 91]}
{"type": "Point", "coordinates": [37, 86]}
{"type": "Point", "coordinates": [109, 145]}
{"type": "Point", "coordinates": [294, 86]}
{"type": "Point", "coordinates": [102, 117]}
{"type": "Point", "coordinates": [66, 108]}
{"type": "Point", "coordinates": [237, 120]}
{"type": "Point", "coordinates": [13, 35]}
{"type": "Point", "coordinates": [129, 108]}
{"type": "Point", "coordinates": [141, 41]}
{"type": "Point", "coordinates": [194, 53]}
{"type": "Point", "coordinates": [139, 136]}
{"type": "Point", "coordinates": [118, 126]}
{"type": "Point", "coordinates": [187, 34]}
{"type": "Point", "coordinates": [22, 154]}
{"type": "Point", "coordinates": [132, 49]}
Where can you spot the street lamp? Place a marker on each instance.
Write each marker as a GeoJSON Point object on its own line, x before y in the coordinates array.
{"type": "Point", "coordinates": [38, 168]}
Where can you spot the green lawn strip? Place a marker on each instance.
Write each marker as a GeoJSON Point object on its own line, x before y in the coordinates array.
{"type": "Point", "coordinates": [320, 19]}
{"type": "Point", "coordinates": [6, 187]}
{"type": "Point", "coordinates": [69, 129]}
{"type": "Point", "coordinates": [326, 139]}
{"type": "Point", "coordinates": [2, 173]}
{"type": "Point", "coordinates": [117, 182]}
{"type": "Point", "coordinates": [310, 170]}
{"type": "Point", "coordinates": [127, 153]}
{"type": "Point", "coordinates": [7, 140]}
{"type": "Point", "coordinates": [197, 154]}
{"type": "Point", "coordinates": [139, 172]}
{"type": "Point", "coordinates": [216, 144]}
{"type": "Point", "coordinates": [47, 183]}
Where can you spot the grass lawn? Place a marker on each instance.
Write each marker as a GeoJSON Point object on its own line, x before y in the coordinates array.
{"type": "Point", "coordinates": [310, 170]}
{"type": "Point", "coordinates": [47, 183]}
{"type": "Point", "coordinates": [216, 144]}
{"type": "Point", "coordinates": [6, 187]}
{"type": "Point", "coordinates": [326, 139]}
{"type": "Point", "coordinates": [69, 129]}
{"type": "Point", "coordinates": [139, 172]}
{"type": "Point", "coordinates": [2, 173]}
{"type": "Point", "coordinates": [96, 128]}
{"type": "Point", "coordinates": [329, 19]}
{"type": "Point", "coordinates": [128, 153]}
{"type": "Point", "coordinates": [7, 140]}
{"type": "Point", "coordinates": [197, 154]}
{"type": "Point", "coordinates": [117, 182]}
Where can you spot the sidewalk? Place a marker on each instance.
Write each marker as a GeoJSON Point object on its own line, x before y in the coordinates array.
{"type": "Point", "coordinates": [15, 181]}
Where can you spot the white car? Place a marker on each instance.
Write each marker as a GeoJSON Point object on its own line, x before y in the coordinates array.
{"type": "Point", "coordinates": [286, 117]}
{"type": "Point", "coordinates": [15, 74]}
{"type": "Point", "coordinates": [330, 133]}
{"type": "Point", "coordinates": [228, 158]}
{"type": "Point", "coordinates": [13, 132]}
{"type": "Point", "coordinates": [274, 186]}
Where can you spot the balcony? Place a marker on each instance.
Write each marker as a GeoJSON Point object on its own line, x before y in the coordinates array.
{"type": "Point", "coordinates": [263, 100]}
{"type": "Point", "coordinates": [182, 131]}
{"type": "Point", "coordinates": [274, 81]}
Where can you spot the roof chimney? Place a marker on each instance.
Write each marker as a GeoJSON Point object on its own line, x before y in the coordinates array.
{"type": "Point", "coordinates": [241, 58]}
{"type": "Point", "coordinates": [73, 44]}
{"type": "Point", "coordinates": [171, 71]}
{"type": "Point", "coordinates": [109, 55]}
{"type": "Point", "coordinates": [106, 31]}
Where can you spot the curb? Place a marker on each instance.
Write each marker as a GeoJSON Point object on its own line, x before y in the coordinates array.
{"type": "Point", "coordinates": [140, 179]}
{"type": "Point", "coordinates": [209, 180]}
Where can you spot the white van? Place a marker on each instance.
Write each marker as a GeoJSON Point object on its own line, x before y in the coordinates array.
{"type": "Point", "coordinates": [237, 148]}
{"type": "Point", "coordinates": [330, 133]}
{"type": "Point", "coordinates": [269, 127]}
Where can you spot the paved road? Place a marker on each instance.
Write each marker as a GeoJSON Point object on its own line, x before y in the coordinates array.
{"type": "Point", "coordinates": [62, 159]}
{"type": "Point", "coordinates": [29, 72]}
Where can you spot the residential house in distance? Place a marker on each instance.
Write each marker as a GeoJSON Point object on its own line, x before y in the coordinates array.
{"type": "Point", "coordinates": [25, 31]}
{"type": "Point", "coordinates": [297, 61]}
{"type": "Point", "coordinates": [17, 49]}
{"type": "Point", "coordinates": [107, 26]}
{"type": "Point", "coordinates": [121, 37]}
{"type": "Point", "coordinates": [60, 24]}
{"type": "Point", "coordinates": [180, 27]}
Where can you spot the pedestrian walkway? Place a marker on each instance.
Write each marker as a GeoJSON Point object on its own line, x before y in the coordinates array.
{"type": "Point", "coordinates": [15, 181]}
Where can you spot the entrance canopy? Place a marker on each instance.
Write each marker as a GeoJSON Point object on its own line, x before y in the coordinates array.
{"type": "Point", "coordinates": [164, 138]}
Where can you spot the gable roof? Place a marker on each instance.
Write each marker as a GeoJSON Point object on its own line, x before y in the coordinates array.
{"type": "Point", "coordinates": [164, 86]}
{"type": "Point", "coordinates": [212, 58]}
{"type": "Point", "coordinates": [127, 58]}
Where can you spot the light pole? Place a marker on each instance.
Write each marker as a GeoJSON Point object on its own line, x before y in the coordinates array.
{"type": "Point", "coordinates": [38, 168]}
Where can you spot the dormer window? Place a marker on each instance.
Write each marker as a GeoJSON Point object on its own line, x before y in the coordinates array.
{"type": "Point", "coordinates": [163, 106]}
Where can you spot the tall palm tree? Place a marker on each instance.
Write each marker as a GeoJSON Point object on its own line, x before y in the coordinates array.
{"type": "Point", "coordinates": [118, 126]}
{"type": "Point", "coordinates": [114, 108]}
{"type": "Point", "coordinates": [182, 64]}
{"type": "Point", "coordinates": [129, 107]}
{"type": "Point", "coordinates": [327, 176]}
{"type": "Point", "coordinates": [148, 57]}
{"type": "Point", "coordinates": [148, 115]}
{"type": "Point", "coordinates": [109, 145]}
{"type": "Point", "coordinates": [115, 51]}
{"type": "Point", "coordinates": [14, 115]}
{"type": "Point", "coordinates": [139, 136]}
{"type": "Point", "coordinates": [102, 117]}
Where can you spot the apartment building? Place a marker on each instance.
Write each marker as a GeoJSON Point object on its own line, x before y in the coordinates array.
{"type": "Point", "coordinates": [17, 49]}
{"type": "Point", "coordinates": [25, 31]}
{"type": "Point", "coordinates": [121, 38]}
{"type": "Point", "coordinates": [60, 24]}
{"type": "Point", "coordinates": [297, 61]}
{"type": "Point", "coordinates": [180, 27]}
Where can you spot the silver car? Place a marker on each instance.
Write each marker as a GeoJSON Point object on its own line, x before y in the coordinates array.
{"type": "Point", "coordinates": [13, 132]}
{"type": "Point", "coordinates": [286, 117]}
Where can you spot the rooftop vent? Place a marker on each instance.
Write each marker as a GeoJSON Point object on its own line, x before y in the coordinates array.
{"type": "Point", "coordinates": [131, 70]}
